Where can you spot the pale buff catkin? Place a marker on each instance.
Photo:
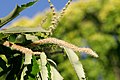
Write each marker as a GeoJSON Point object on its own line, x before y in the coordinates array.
{"type": "Point", "coordinates": [50, 40]}
{"type": "Point", "coordinates": [65, 44]}
{"type": "Point", "coordinates": [20, 48]}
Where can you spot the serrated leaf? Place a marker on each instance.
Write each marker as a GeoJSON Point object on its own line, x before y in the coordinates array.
{"type": "Point", "coordinates": [74, 60]}
{"type": "Point", "coordinates": [55, 75]}
{"type": "Point", "coordinates": [28, 58]}
{"type": "Point", "coordinates": [22, 29]}
{"type": "Point", "coordinates": [15, 13]}
{"type": "Point", "coordinates": [35, 69]}
{"type": "Point", "coordinates": [24, 6]}
{"type": "Point", "coordinates": [44, 72]}
{"type": "Point", "coordinates": [39, 63]}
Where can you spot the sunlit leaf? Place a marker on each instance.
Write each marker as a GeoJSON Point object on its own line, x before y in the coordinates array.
{"type": "Point", "coordinates": [28, 58]}
{"type": "Point", "coordinates": [15, 12]}
{"type": "Point", "coordinates": [31, 37]}
{"type": "Point", "coordinates": [74, 60]}
{"type": "Point", "coordinates": [23, 73]}
{"type": "Point", "coordinates": [22, 29]}
{"type": "Point", "coordinates": [44, 71]}
{"type": "Point", "coordinates": [55, 75]}
{"type": "Point", "coordinates": [4, 58]}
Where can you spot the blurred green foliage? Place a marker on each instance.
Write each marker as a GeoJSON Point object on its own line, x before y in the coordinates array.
{"type": "Point", "coordinates": [94, 24]}
{"type": "Point", "coordinates": [88, 23]}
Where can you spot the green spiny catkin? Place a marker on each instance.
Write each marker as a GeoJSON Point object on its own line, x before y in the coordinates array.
{"type": "Point", "coordinates": [53, 12]}
{"type": "Point", "coordinates": [63, 10]}
{"type": "Point", "coordinates": [55, 19]}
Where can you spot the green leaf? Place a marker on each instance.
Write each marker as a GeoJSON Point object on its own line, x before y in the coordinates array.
{"type": "Point", "coordinates": [28, 58]}
{"type": "Point", "coordinates": [12, 38]}
{"type": "Point", "coordinates": [4, 58]}
{"type": "Point", "coordinates": [74, 60]}
{"type": "Point", "coordinates": [44, 71]}
{"type": "Point", "coordinates": [49, 71]}
{"type": "Point", "coordinates": [3, 77]}
{"type": "Point", "coordinates": [31, 37]}
{"type": "Point", "coordinates": [35, 67]}
{"type": "Point", "coordinates": [38, 75]}
{"type": "Point", "coordinates": [15, 13]}
{"type": "Point", "coordinates": [16, 38]}
{"type": "Point", "coordinates": [20, 38]}
{"type": "Point", "coordinates": [55, 75]}
{"type": "Point", "coordinates": [22, 29]}
{"type": "Point", "coordinates": [2, 36]}
{"type": "Point", "coordinates": [3, 64]}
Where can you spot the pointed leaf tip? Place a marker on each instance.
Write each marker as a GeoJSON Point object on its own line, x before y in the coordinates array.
{"type": "Point", "coordinates": [74, 60]}
{"type": "Point", "coordinates": [15, 13]}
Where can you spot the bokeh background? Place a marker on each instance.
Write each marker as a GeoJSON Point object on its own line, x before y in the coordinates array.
{"type": "Point", "coordinates": [86, 23]}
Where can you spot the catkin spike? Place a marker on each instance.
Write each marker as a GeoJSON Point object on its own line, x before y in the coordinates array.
{"type": "Point", "coordinates": [65, 44]}
{"type": "Point", "coordinates": [49, 40]}
{"type": "Point", "coordinates": [55, 18]}
{"type": "Point", "coordinates": [63, 10]}
{"type": "Point", "coordinates": [20, 48]}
